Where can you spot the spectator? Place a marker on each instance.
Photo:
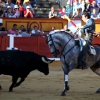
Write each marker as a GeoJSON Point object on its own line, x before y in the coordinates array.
{"type": "Point", "coordinates": [2, 4]}
{"type": "Point", "coordinates": [29, 31]}
{"type": "Point", "coordinates": [64, 10]}
{"type": "Point", "coordinates": [35, 3]}
{"type": "Point", "coordinates": [1, 12]}
{"type": "Point", "coordinates": [98, 16]}
{"type": "Point", "coordinates": [94, 6]}
{"type": "Point", "coordinates": [69, 9]}
{"type": "Point", "coordinates": [53, 28]}
{"type": "Point", "coordinates": [37, 32]}
{"type": "Point", "coordinates": [95, 14]}
{"type": "Point", "coordinates": [98, 1]}
{"type": "Point", "coordinates": [17, 33]}
{"type": "Point", "coordinates": [21, 9]}
{"type": "Point", "coordinates": [76, 6]}
{"type": "Point", "coordinates": [82, 3]}
{"type": "Point", "coordinates": [2, 28]}
{"type": "Point", "coordinates": [13, 29]}
{"type": "Point", "coordinates": [66, 29]}
{"type": "Point", "coordinates": [19, 3]}
{"type": "Point", "coordinates": [28, 13]}
{"type": "Point", "coordinates": [24, 33]}
{"type": "Point", "coordinates": [9, 3]}
{"type": "Point", "coordinates": [16, 13]}
{"type": "Point", "coordinates": [53, 13]}
{"type": "Point", "coordinates": [91, 1]}
{"type": "Point", "coordinates": [21, 27]}
{"type": "Point", "coordinates": [78, 13]}
{"type": "Point", "coordinates": [9, 12]}
{"type": "Point", "coordinates": [87, 6]}
{"type": "Point", "coordinates": [14, 1]}
{"type": "Point", "coordinates": [27, 3]}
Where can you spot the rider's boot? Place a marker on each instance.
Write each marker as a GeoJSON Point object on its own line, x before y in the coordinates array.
{"type": "Point", "coordinates": [82, 58]}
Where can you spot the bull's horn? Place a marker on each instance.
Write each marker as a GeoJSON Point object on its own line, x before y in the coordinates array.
{"type": "Point", "coordinates": [47, 60]}
{"type": "Point", "coordinates": [50, 61]}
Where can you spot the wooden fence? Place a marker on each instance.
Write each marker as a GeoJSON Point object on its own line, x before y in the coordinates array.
{"type": "Point", "coordinates": [36, 44]}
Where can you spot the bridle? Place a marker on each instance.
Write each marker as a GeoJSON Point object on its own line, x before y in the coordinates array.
{"type": "Point", "coordinates": [56, 51]}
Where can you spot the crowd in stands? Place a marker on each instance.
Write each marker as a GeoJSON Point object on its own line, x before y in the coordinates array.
{"type": "Point", "coordinates": [76, 9]}
{"type": "Point", "coordinates": [22, 32]}
{"type": "Point", "coordinates": [17, 8]}
{"type": "Point", "coordinates": [24, 8]}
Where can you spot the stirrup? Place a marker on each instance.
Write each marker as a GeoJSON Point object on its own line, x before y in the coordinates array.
{"type": "Point", "coordinates": [92, 50]}
{"type": "Point", "coordinates": [81, 44]}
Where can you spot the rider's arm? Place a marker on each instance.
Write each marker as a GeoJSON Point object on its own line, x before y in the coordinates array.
{"type": "Point", "coordinates": [88, 25]}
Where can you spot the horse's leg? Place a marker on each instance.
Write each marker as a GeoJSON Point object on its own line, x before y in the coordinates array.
{"type": "Point", "coordinates": [66, 87]}
{"type": "Point", "coordinates": [98, 91]}
{"type": "Point", "coordinates": [0, 87]}
{"type": "Point", "coordinates": [67, 68]}
{"type": "Point", "coordinates": [96, 69]}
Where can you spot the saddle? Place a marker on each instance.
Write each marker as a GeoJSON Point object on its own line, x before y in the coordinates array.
{"type": "Point", "coordinates": [81, 42]}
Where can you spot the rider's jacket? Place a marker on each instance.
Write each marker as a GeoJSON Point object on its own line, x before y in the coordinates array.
{"type": "Point", "coordinates": [89, 26]}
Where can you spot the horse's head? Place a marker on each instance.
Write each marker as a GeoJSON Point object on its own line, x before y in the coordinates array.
{"type": "Point", "coordinates": [59, 41]}
{"type": "Point", "coordinates": [53, 46]}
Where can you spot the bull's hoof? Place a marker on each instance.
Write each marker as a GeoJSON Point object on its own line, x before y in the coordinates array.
{"type": "Point", "coordinates": [98, 91]}
{"type": "Point", "coordinates": [63, 94]}
{"type": "Point", "coordinates": [17, 84]}
{"type": "Point", "coordinates": [10, 91]}
{"type": "Point", "coordinates": [0, 88]}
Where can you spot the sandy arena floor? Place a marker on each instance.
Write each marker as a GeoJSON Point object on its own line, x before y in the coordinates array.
{"type": "Point", "coordinates": [37, 86]}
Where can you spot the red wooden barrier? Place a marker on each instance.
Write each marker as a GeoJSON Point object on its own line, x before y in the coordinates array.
{"type": "Point", "coordinates": [43, 48]}
{"type": "Point", "coordinates": [26, 43]}
{"type": "Point", "coordinates": [36, 44]}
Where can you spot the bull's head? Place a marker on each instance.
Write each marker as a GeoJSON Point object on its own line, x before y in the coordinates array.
{"type": "Point", "coordinates": [44, 65]}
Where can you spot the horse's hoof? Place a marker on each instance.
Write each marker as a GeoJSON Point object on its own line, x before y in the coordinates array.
{"type": "Point", "coordinates": [63, 94]}
{"type": "Point", "coordinates": [0, 88]}
{"type": "Point", "coordinates": [98, 91]}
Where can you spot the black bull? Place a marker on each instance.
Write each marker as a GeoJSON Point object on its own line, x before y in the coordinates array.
{"type": "Point", "coordinates": [20, 63]}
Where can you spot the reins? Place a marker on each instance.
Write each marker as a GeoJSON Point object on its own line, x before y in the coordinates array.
{"type": "Point", "coordinates": [65, 44]}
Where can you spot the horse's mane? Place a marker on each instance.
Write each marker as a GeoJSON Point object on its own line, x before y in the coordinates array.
{"type": "Point", "coordinates": [61, 32]}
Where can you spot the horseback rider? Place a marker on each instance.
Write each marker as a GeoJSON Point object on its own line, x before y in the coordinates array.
{"type": "Point", "coordinates": [88, 29]}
